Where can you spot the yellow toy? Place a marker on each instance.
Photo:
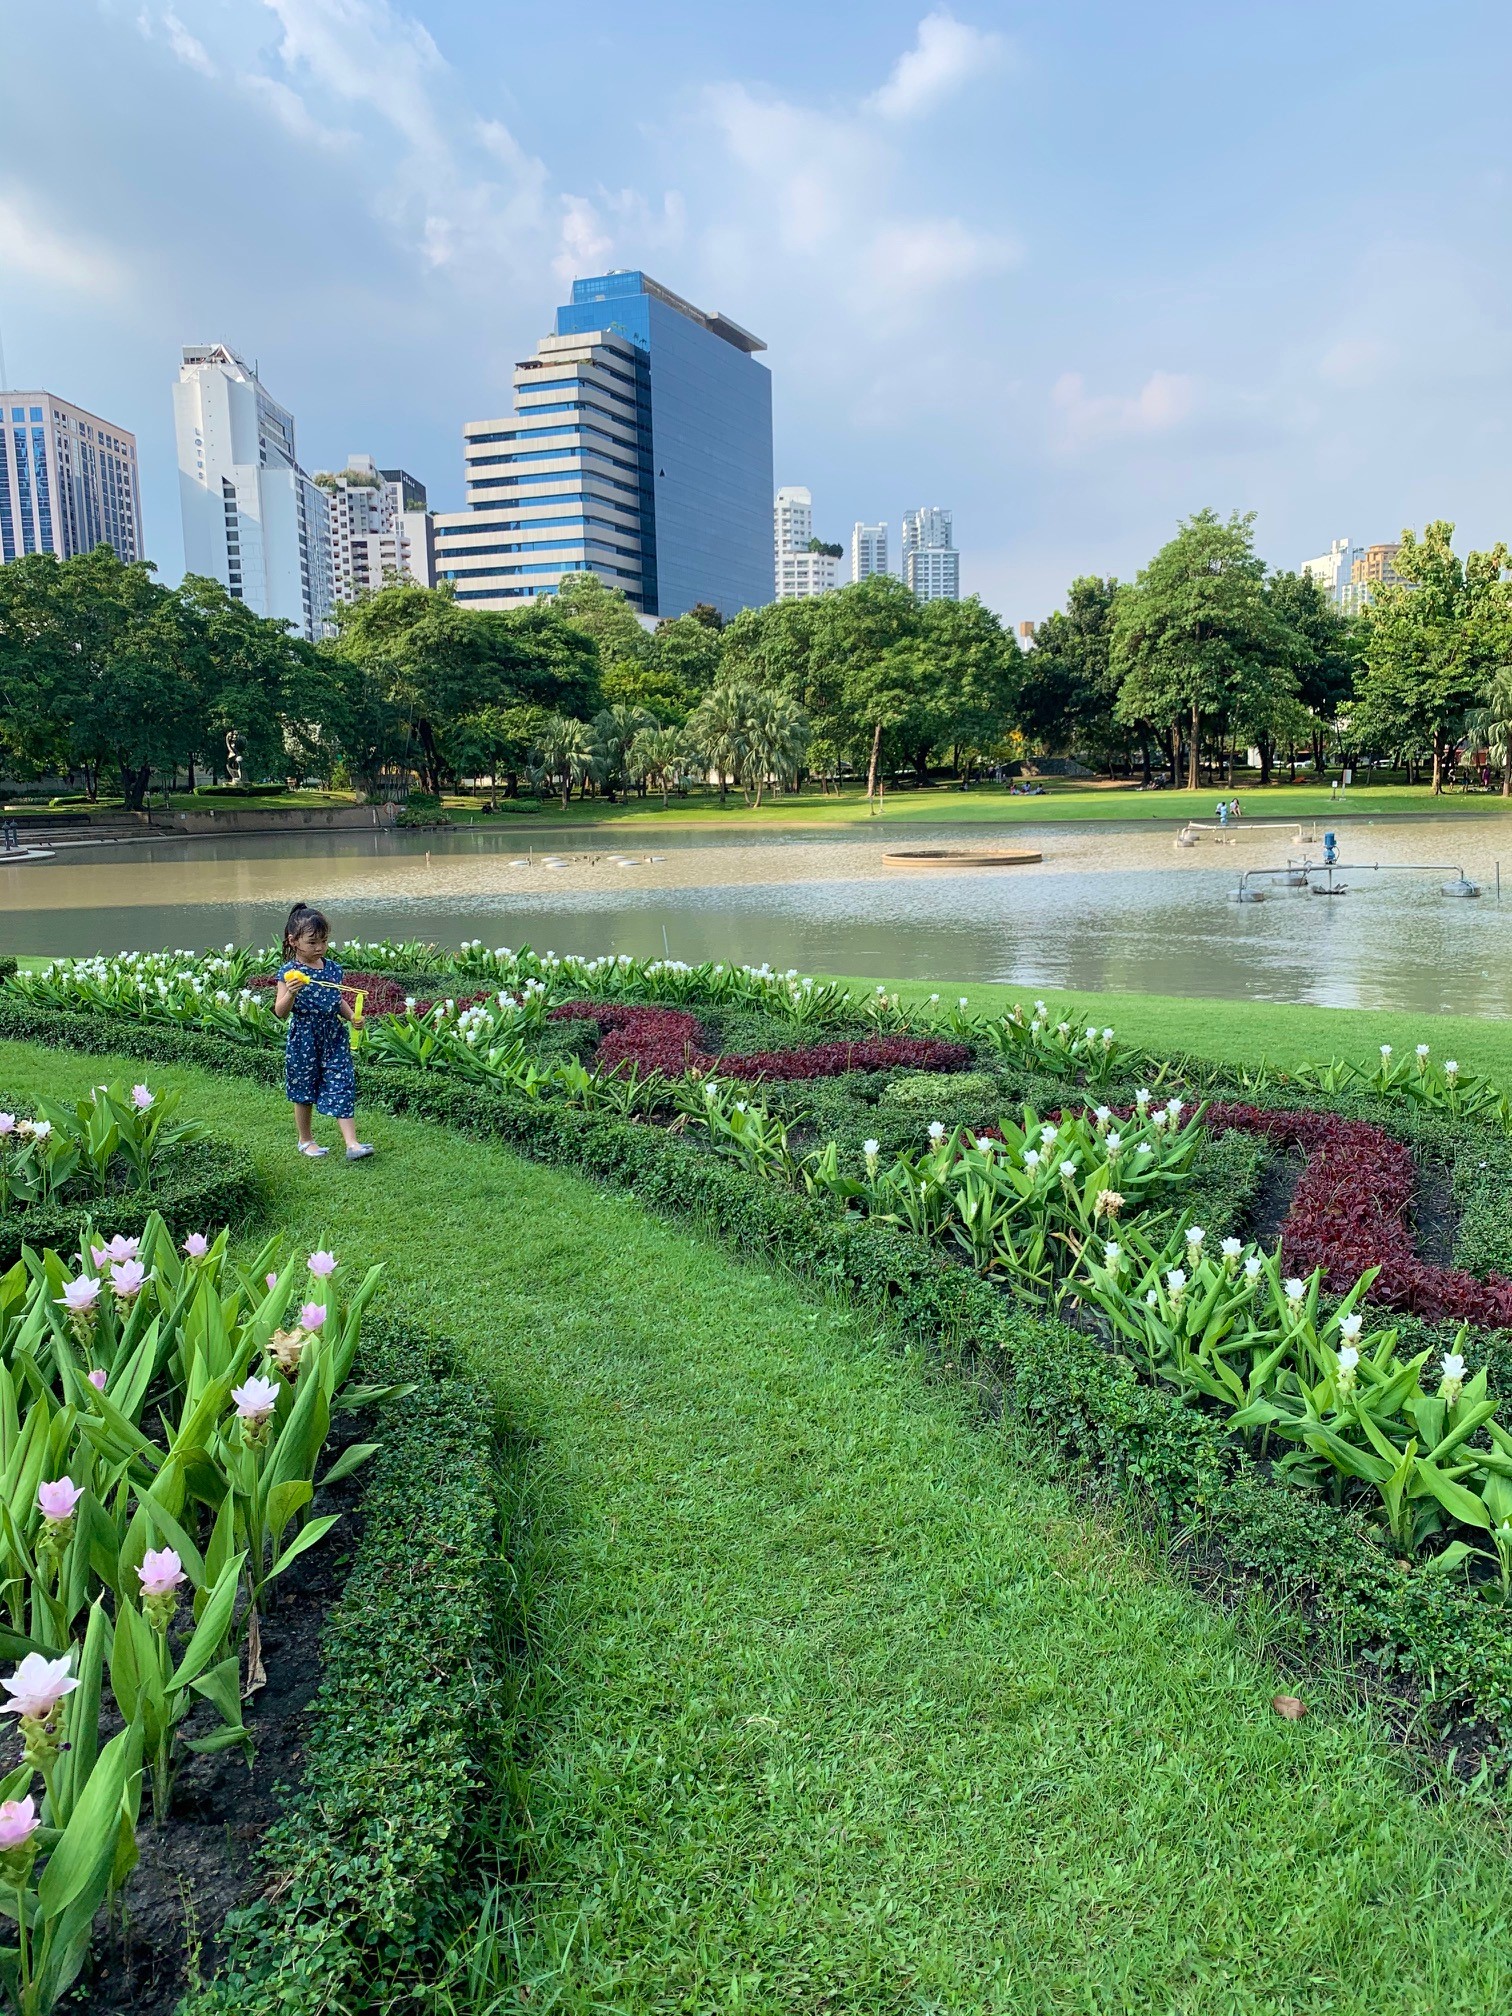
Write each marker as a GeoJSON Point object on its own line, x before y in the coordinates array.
{"type": "Point", "coordinates": [294, 979]}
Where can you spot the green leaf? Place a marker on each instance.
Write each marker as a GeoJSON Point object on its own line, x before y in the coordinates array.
{"type": "Point", "coordinates": [303, 1541]}
{"type": "Point", "coordinates": [1465, 1506]}
{"type": "Point", "coordinates": [351, 1458]}
{"type": "Point", "coordinates": [211, 1631]}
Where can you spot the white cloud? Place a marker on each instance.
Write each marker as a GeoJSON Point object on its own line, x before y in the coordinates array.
{"type": "Point", "coordinates": [1164, 401]}
{"type": "Point", "coordinates": [290, 110]}
{"type": "Point", "coordinates": [946, 54]}
{"type": "Point", "coordinates": [1354, 361]}
{"type": "Point", "coordinates": [585, 245]}
{"type": "Point", "coordinates": [30, 246]}
{"type": "Point", "coordinates": [188, 48]}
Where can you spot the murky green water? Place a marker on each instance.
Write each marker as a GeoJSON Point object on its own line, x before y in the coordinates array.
{"type": "Point", "coordinates": [1110, 908]}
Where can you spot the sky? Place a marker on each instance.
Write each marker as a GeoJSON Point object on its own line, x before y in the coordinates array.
{"type": "Point", "coordinates": [1073, 270]}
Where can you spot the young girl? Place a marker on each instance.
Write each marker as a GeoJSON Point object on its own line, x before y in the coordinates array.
{"type": "Point", "coordinates": [318, 1069]}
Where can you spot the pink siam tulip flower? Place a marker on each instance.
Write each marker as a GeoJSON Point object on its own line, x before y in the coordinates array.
{"type": "Point", "coordinates": [7, 1124]}
{"type": "Point", "coordinates": [271, 1279]}
{"type": "Point", "coordinates": [322, 1264]}
{"type": "Point", "coordinates": [80, 1296]}
{"type": "Point", "coordinates": [141, 1098]}
{"type": "Point", "coordinates": [58, 1499]}
{"type": "Point", "coordinates": [19, 1820]}
{"type": "Point", "coordinates": [127, 1277]}
{"type": "Point", "coordinates": [98, 1377]}
{"type": "Point", "coordinates": [255, 1400]}
{"type": "Point", "coordinates": [311, 1315]}
{"type": "Point", "coordinates": [37, 1686]}
{"type": "Point", "coordinates": [161, 1572]}
{"type": "Point", "coordinates": [120, 1248]}
{"type": "Point", "coordinates": [196, 1246]}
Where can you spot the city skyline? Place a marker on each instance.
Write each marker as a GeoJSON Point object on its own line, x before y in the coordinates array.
{"type": "Point", "coordinates": [893, 219]}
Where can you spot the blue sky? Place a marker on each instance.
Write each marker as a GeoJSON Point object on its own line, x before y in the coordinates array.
{"type": "Point", "coordinates": [1073, 270]}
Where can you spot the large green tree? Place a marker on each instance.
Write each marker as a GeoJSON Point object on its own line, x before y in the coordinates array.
{"type": "Point", "coordinates": [1067, 692]}
{"type": "Point", "coordinates": [1195, 644]}
{"type": "Point", "coordinates": [1434, 638]}
{"type": "Point", "coordinates": [1322, 647]}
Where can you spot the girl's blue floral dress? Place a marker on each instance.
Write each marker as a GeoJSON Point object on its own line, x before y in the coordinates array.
{"type": "Point", "coordinates": [318, 1066]}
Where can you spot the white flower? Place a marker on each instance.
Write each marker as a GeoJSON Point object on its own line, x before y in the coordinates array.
{"type": "Point", "coordinates": [1453, 1369]}
{"type": "Point", "coordinates": [871, 1149]}
{"type": "Point", "coordinates": [1091, 1029]}
{"type": "Point", "coordinates": [1068, 1170]}
{"type": "Point", "coordinates": [1195, 1236]}
{"type": "Point", "coordinates": [1031, 1158]}
{"type": "Point", "coordinates": [1113, 1143]}
{"type": "Point", "coordinates": [1152, 1296]}
{"type": "Point", "coordinates": [1175, 1107]}
{"type": "Point", "coordinates": [1112, 1252]}
{"type": "Point", "coordinates": [1253, 1265]}
{"type": "Point", "coordinates": [1422, 1049]}
{"type": "Point", "coordinates": [1175, 1280]}
{"type": "Point", "coordinates": [937, 1130]}
{"type": "Point", "coordinates": [1295, 1289]}
{"type": "Point", "coordinates": [1107, 1035]}
{"type": "Point", "coordinates": [1145, 1148]}
{"type": "Point", "coordinates": [1451, 1068]}
{"type": "Point", "coordinates": [1049, 1135]}
{"type": "Point", "coordinates": [1142, 1097]}
{"type": "Point", "coordinates": [1102, 1115]}
{"type": "Point", "coordinates": [1348, 1358]}
{"type": "Point", "coordinates": [1232, 1249]}
{"type": "Point", "coordinates": [1350, 1327]}
{"type": "Point", "coordinates": [1385, 1049]}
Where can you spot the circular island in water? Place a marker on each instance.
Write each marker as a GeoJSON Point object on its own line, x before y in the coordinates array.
{"type": "Point", "coordinates": [959, 857]}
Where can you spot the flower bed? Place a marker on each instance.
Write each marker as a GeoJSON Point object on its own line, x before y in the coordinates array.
{"type": "Point", "coordinates": [672, 1041]}
{"type": "Point", "coordinates": [1352, 1210]}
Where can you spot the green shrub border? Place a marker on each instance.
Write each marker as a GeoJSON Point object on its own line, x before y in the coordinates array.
{"type": "Point", "coordinates": [202, 1186]}
{"type": "Point", "coordinates": [1085, 1410]}
{"type": "Point", "coordinates": [375, 1854]}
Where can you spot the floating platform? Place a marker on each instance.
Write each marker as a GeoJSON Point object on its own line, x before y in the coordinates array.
{"type": "Point", "coordinates": [959, 857]}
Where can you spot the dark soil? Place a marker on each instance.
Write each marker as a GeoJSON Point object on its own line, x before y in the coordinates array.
{"type": "Point", "coordinates": [1435, 1213]}
{"type": "Point", "coordinates": [202, 1864]}
{"type": "Point", "coordinates": [1273, 1197]}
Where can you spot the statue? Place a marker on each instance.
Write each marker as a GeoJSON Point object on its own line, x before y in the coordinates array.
{"type": "Point", "coordinates": [236, 749]}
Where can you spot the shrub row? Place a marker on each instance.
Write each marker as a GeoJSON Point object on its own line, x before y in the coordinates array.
{"type": "Point", "coordinates": [198, 1187]}
{"type": "Point", "coordinates": [371, 1863]}
{"type": "Point", "coordinates": [1088, 1413]}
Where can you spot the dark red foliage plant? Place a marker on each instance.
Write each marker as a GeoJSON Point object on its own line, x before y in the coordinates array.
{"type": "Point", "coordinates": [1352, 1210]}
{"type": "Point", "coordinates": [672, 1041]}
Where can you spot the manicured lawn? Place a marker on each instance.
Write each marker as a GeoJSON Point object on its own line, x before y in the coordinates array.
{"type": "Point", "coordinates": [838, 1708]}
{"type": "Point", "coordinates": [1242, 1032]}
{"type": "Point", "coordinates": [991, 804]}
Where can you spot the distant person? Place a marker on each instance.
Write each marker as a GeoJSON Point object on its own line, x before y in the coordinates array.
{"type": "Point", "coordinates": [318, 1073]}
{"type": "Point", "coordinates": [1235, 809]}
{"type": "Point", "coordinates": [1221, 808]}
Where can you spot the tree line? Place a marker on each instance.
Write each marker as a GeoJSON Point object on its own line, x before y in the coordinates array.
{"type": "Point", "coordinates": [109, 677]}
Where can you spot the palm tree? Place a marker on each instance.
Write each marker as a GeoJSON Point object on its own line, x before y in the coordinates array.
{"type": "Point", "coordinates": [614, 729]}
{"type": "Point", "coordinates": [564, 754]}
{"type": "Point", "coordinates": [657, 758]}
{"type": "Point", "coordinates": [777, 739]}
{"type": "Point", "coordinates": [1491, 724]}
{"type": "Point", "coordinates": [718, 729]}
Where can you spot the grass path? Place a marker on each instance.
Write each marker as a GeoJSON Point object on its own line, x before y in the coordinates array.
{"type": "Point", "coordinates": [842, 1712]}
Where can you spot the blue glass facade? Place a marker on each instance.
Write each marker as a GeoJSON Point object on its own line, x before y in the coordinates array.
{"type": "Point", "coordinates": [704, 409]}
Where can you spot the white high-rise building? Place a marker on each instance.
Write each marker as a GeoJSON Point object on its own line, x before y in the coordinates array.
{"type": "Point", "coordinates": [252, 518]}
{"type": "Point", "coordinates": [68, 480]}
{"type": "Point", "coordinates": [931, 564]}
{"type": "Point", "coordinates": [802, 570]}
{"type": "Point", "coordinates": [1331, 569]}
{"type": "Point", "coordinates": [868, 550]}
{"type": "Point", "coordinates": [381, 530]}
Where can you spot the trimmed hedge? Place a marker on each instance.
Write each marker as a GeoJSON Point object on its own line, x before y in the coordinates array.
{"type": "Point", "coordinates": [201, 1186]}
{"type": "Point", "coordinates": [371, 1861]}
{"type": "Point", "coordinates": [1085, 1410]}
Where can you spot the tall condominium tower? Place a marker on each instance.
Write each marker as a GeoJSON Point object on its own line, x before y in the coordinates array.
{"type": "Point", "coordinates": [252, 518]}
{"type": "Point", "coordinates": [381, 530]}
{"type": "Point", "coordinates": [931, 564]}
{"type": "Point", "coordinates": [868, 550]}
{"type": "Point", "coordinates": [639, 450]}
{"type": "Point", "coordinates": [68, 480]}
{"type": "Point", "coordinates": [802, 570]}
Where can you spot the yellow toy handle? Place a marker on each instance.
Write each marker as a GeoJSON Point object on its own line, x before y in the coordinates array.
{"type": "Point", "coordinates": [357, 1008]}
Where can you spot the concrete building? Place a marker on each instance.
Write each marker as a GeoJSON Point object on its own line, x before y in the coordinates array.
{"type": "Point", "coordinates": [639, 450]}
{"type": "Point", "coordinates": [252, 518]}
{"type": "Point", "coordinates": [1370, 567]}
{"type": "Point", "coordinates": [380, 527]}
{"type": "Point", "coordinates": [68, 480]}
{"type": "Point", "coordinates": [868, 550]}
{"type": "Point", "coordinates": [931, 564]}
{"type": "Point", "coordinates": [1331, 569]}
{"type": "Point", "coordinates": [802, 569]}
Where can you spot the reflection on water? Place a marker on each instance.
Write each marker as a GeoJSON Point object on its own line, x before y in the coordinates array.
{"type": "Point", "coordinates": [1115, 909]}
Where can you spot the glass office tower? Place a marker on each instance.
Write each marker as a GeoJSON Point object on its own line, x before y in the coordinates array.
{"type": "Point", "coordinates": [640, 449]}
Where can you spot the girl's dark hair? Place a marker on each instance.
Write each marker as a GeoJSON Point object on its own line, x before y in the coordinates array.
{"type": "Point", "coordinates": [304, 921]}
